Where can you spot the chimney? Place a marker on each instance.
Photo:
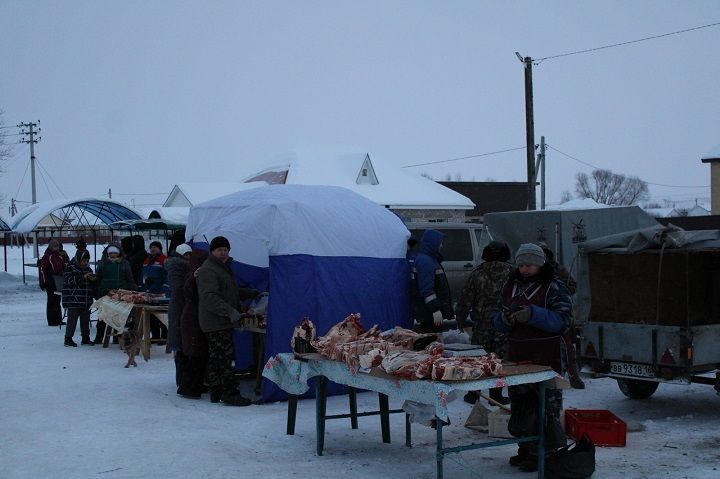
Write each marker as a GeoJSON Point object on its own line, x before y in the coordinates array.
{"type": "Point", "coordinates": [713, 157]}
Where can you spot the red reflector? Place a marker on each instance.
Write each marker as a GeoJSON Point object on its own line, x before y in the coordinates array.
{"type": "Point", "coordinates": [667, 357]}
{"type": "Point", "coordinates": [590, 350]}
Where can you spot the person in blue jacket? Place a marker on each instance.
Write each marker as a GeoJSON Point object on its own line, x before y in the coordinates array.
{"type": "Point", "coordinates": [430, 290]}
{"type": "Point", "coordinates": [534, 311]}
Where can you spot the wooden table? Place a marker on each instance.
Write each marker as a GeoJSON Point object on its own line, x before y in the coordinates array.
{"type": "Point", "coordinates": [144, 313]}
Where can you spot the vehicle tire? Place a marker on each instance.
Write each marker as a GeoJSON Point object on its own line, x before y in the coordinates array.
{"type": "Point", "coordinates": [635, 389]}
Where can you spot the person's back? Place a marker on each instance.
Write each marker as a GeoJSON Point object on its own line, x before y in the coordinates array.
{"type": "Point", "coordinates": [430, 290]}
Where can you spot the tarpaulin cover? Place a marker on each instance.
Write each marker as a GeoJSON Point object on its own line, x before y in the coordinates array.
{"type": "Point", "coordinates": [328, 252]}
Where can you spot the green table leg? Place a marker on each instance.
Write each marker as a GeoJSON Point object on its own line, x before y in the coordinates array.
{"type": "Point", "coordinates": [320, 409]}
{"type": "Point", "coordinates": [292, 413]}
{"type": "Point", "coordinates": [541, 432]}
{"type": "Point", "coordinates": [439, 447]}
{"type": "Point", "coordinates": [408, 431]}
{"type": "Point", "coordinates": [352, 394]}
{"type": "Point", "coordinates": [384, 417]}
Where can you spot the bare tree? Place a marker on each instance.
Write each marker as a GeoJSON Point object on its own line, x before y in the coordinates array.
{"type": "Point", "coordinates": [610, 188]}
{"type": "Point", "coordinates": [4, 147]}
{"type": "Point", "coordinates": [565, 196]}
{"type": "Point", "coordinates": [427, 175]}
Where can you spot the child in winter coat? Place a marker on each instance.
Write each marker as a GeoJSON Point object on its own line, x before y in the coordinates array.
{"type": "Point", "coordinates": [78, 290]}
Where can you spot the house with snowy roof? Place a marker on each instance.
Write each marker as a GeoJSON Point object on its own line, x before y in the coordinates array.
{"type": "Point", "coordinates": [410, 195]}
{"type": "Point", "coordinates": [713, 157]}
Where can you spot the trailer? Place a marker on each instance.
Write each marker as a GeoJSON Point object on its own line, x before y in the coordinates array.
{"type": "Point", "coordinates": [648, 308]}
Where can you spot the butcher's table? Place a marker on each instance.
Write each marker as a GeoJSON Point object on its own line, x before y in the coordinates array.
{"type": "Point", "coordinates": [292, 375]}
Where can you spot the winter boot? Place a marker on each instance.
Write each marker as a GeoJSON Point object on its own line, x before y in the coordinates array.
{"type": "Point", "coordinates": [70, 343]}
{"type": "Point", "coordinates": [86, 340]}
{"type": "Point", "coordinates": [496, 395]}
{"type": "Point", "coordinates": [187, 388]}
{"type": "Point", "coordinates": [520, 457]}
{"type": "Point", "coordinates": [215, 393]}
{"type": "Point", "coordinates": [234, 398]}
{"type": "Point", "coordinates": [576, 381]}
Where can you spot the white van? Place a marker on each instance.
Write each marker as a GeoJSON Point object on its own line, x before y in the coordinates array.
{"type": "Point", "coordinates": [462, 249]}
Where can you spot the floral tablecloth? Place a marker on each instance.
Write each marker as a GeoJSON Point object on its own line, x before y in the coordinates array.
{"type": "Point", "coordinates": [292, 376]}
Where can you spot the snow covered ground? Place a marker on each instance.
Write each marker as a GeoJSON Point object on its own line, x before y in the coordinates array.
{"type": "Point", "coordinates": [77, 413]}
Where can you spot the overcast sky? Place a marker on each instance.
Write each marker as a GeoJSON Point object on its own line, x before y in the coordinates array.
{"type": "Point", "coordinates": [137, 96]}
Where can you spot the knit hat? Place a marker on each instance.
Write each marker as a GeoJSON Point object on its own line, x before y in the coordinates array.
{"type": "Point", "coordinates": [219, 242]}
{"type": "Point", "coordinates": [156, 243]}
{"type": "Point", "coordinates": [112, 249]}
{"type": "Point", "coordinates": [496, 251]}
{"type": "Point", "coordinates": [80, 243]}
{"type": "Point", "coordinates": [183, 248]}
{"type": "Point", "coordinates": [529, 253]}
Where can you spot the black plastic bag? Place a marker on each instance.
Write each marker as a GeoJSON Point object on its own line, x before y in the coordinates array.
{"type": "Point", "coordinates": [570, 462]}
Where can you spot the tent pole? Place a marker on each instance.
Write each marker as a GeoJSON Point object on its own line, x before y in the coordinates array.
{"type": "Point", "coordinates": [22, 248]}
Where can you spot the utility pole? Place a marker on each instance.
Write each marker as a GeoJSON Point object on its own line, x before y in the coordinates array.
{"type": "Point", "coordinates": [540, 165]}
{"type": "Point", "coordinates": [110, 193]}
{"type": "Point", "coordinates": [529, 130]}
{"type": "Point", "coordinates": [32, 140]}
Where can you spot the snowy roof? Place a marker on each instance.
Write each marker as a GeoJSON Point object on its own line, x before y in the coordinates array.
{"type": "Point", "coordinates": [381, 183]}
{"type": "Point", "coordinates": [712, 155]}
{"type": "Point", "coordinates": [173, 213]}
{"type": "Point", "coordinates": [660, 212]}
{"type": "Point", "coordinates": [188, 194]}
{"type": "Point", "coordinates": [578, 204]}
{"type": "Point", "coordinates": [77, 212]}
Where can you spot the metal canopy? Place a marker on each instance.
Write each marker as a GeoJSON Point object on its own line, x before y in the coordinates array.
{"type": "Point", "coordinates": [83, 214]}
{"type": "Point", "coordinates": [4, 226]}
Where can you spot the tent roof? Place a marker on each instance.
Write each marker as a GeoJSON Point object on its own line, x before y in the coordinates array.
{"type": "Point", "coordinates": [380, 182]}
{"type": "Point", "coordinates": [72, 214]}
{"type": "Point", "coordinates": [312, 220]}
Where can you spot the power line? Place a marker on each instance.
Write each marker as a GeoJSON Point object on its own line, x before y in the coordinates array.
{"type": "Point", "coordinates": [537, 61]}
{"type": "Point", "coordinates": [466, 157]}
{"type": "Point", "coordinates": [600, 168]}
{"type": "Point", "coordinates": [51, 178]}
{"type": "Point", "coordinates": [22, 179]}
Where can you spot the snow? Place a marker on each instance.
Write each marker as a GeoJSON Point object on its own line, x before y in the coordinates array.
{"type": "Point", "coordinates": [77, 413]}
{"type": "Point", "coordinates": [396, 188]}
{"type": "Point", "coordinates": [713, 154]}
{"type": "Point", "coordinates": [199, 192]}
{"type": "Point", "coordinates": [578, 204]}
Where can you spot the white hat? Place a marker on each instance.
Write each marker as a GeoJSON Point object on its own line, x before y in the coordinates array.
{"type": "Point", "coordinates": [112, 249]}
{"type": "Point", "coordinates": [183, 248]}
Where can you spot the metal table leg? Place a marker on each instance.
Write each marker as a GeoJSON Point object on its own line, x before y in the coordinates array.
{"type": "Point", "coordinates": [439, 447]}
{"type": "Point", "coordinates": [541, 432]}
{"type": "Point", "coordinates": [320, 409]}
{"type": "Point", "coordinates": [384, 417]}
{"type": "Point", "coordinates": [352, 394]}
{"type": "Point", "coordinates": [292, 414]}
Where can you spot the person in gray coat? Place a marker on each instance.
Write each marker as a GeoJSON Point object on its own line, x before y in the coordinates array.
{"type": "Point", "coordinates": [177, 267]}
{"type": "Point", "coordinates": [219, 312]}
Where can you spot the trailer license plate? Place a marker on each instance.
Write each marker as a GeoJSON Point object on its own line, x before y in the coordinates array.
{"type": "Point", "coordinates": [630, 369]}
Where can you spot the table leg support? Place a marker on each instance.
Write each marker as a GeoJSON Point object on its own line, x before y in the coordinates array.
{"type": "Point", "coordinates": [541, 432]}
{"type": "Point", "coordinates": [408, 431]}
{"type": "Point", "coordinates": [439, 447]}
{"type": "Point", "coordinates": [292, 414]}
{"type": "Point", "coordinates": [384, 417]}
{"type": "Point", "coordinates": [320, 409]}
{"type": "Point", "coordinates": [352, 394]}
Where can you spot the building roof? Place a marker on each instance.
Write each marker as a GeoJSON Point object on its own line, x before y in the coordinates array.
{"type": "Point", "coordinates": [491, 196]}
{"type": "Point", "coordinates": [712, 155]}
{"type": "Point", "coordinates": [69, 214]}
{"type": "Point", "coordinates": [381, 183]}
{"type": "Point", "coordinates": [187, 194]}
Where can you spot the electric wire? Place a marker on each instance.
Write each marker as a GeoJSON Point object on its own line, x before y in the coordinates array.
{"type": "Point", "coordinates": [27, 166]}
{"type": "Point", "coordinates": [466, 157]}
{"type": "Point", "coordinates": [40, 170]}
{"type": "Point", "coordinates": [600, 168]}
{"type": "Point", "coordinates": [588, 50]}
{"type": "Point", "coordinates": [51, 178]}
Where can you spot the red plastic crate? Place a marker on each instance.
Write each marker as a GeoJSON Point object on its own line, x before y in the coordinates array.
{"type": "Point", "coordinates": [603, 427]}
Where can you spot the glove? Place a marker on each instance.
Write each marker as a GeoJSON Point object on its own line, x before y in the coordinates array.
{"type": "Point", "coordinates": [437, 318]}
{"type": "Point", "coordinates": [522, 315]}
{"type": "Point", "coordinates": [235, 318]}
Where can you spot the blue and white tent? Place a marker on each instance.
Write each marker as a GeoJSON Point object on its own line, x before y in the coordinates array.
{"type": "Point", "coordinates": [322, 252]}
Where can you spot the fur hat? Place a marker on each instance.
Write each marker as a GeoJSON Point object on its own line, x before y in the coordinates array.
{"type": "Point", "coordinates": [529, 253]}
{"type": "Point", "coordinates": [496, 251]}
{"type": "Point", "coordinates": [80, 243]}
{"type": "Point", "coordinates": [183, 248]}
{"type": "Point", "coordinates": [219, 242]}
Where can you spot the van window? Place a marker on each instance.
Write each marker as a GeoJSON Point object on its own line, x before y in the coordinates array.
{"type": "Point", "coordinates": [457, 245]}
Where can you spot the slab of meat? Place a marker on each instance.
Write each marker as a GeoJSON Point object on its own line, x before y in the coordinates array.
{"type": "Point", "coordinates": [462, 368]}
{"type": "Point", "coordinates": [349, 329]}
{"type": "Point", "coordinates": [127, 296]}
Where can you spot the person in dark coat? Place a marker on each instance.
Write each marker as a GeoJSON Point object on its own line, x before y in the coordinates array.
{"type": "Point", "coordinates": [194, 344]}
{"type": "Point", "coordinates": [429, 289]}
{"type": "Point", "coordinates": [77, 296]}
{"type": "Point", "coordinates": [219, 312]}
{"type": "Point", "coordinates": [534, 311]}
{"type": "Point", "coordinates": [177, 267]}
{"type": "Point", "coordinates": [113, 272]}
{"type": "Point", "coordinates": [155, 282]}
{"type": "Point", "coordinates": [126, 244]}
{"type": "Point", "coordinates": [52, 268]}
{"type": "Point", "coordinates": [137, 259]}
{"type": "Point", "coordinates": [562, 273]}
{"type": "Point", "coordinates": [80, 248]}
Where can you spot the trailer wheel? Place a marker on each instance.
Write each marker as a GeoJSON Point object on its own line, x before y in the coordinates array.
{"type": "Point", "coordinates": [635, 389]}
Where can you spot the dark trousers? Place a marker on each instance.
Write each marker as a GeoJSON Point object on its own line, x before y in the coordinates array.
{"type": "Point", "coordinates": [157, 328]}
{"type": "Point", "coordinates": [54, 308]}
{"type": "Point", "coordinates": [553, 411]}
{"type": "Point", "coordinates": [221, 354]}
{"type": "Point", "coordinates": [72, 318]}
